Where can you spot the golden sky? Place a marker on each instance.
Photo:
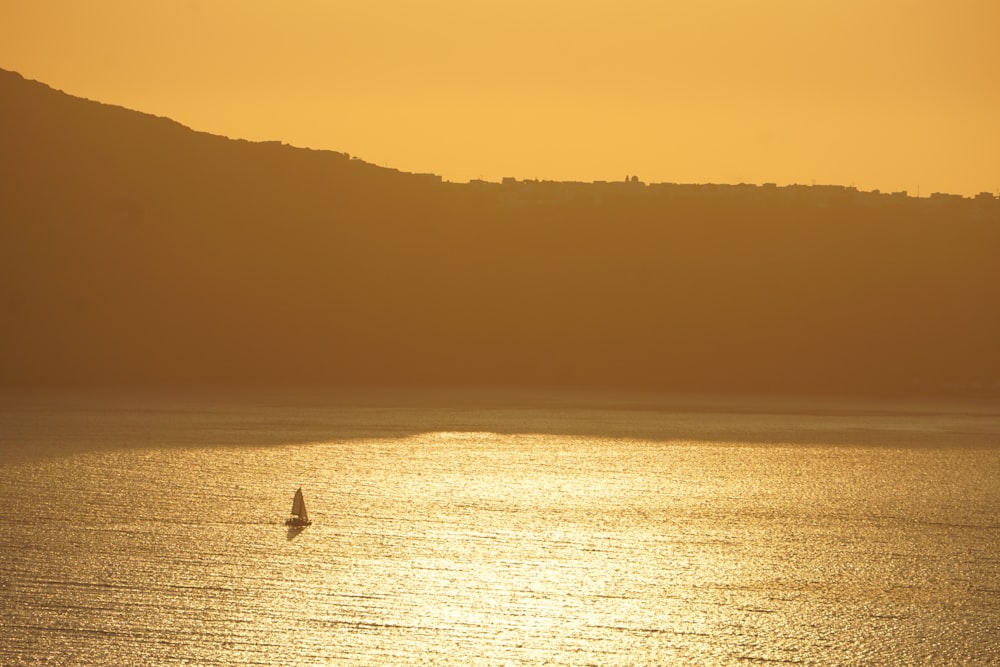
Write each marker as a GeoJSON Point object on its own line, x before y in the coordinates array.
{"type": "Point", "coordinates": [887, 94]}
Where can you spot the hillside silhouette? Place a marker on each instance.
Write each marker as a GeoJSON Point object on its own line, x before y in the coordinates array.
{"type": "Point", "coordinates": [134, 250]}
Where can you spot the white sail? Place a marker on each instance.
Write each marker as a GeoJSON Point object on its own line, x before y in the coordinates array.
{"type": "Point", "coordinates": [299, 518]}
{"type": "Point", "coordinates": [299, 506]}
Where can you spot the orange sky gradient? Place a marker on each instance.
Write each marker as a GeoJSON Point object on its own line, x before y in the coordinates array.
{"type": "Point", "coordinates": [893, 95]}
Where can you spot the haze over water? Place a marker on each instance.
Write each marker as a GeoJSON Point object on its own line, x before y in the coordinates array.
{"type": "Point", "coordinates": [531, 528]}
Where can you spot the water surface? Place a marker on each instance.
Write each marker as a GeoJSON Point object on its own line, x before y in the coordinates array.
{"type": "Point", "coordinates": [498, 529]}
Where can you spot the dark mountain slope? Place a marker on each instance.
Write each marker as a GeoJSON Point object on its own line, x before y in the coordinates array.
{"type": "Point", "coordinates": [136, 250]}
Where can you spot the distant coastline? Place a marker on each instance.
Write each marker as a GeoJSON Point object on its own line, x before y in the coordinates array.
{"type": "Point", "coordinates": [137, 251]}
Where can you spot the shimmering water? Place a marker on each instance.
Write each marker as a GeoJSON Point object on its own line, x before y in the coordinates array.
{"type": "Point", "coordinates": [522, 530]}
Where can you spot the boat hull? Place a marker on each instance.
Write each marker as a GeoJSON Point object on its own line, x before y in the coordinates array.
{"type": "Point", "coordinates": [298, 523]}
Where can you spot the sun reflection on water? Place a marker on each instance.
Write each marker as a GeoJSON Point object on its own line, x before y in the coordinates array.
{"type": "Point", "coordinates": [464, 548]}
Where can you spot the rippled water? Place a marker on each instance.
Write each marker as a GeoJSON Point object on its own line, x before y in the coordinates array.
{"type": "Point", "coordinates": [534, 531]}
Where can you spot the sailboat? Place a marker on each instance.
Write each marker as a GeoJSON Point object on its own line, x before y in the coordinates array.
{"type": "Point", "coordinates": [300, 517]}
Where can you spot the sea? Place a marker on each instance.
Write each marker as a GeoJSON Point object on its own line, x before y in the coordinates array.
{"type": "Point", "coordinates": [473, 526]}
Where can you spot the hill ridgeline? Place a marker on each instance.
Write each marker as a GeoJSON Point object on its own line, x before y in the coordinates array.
{"type": "Point", "coordinates": [134, 250]}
